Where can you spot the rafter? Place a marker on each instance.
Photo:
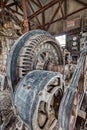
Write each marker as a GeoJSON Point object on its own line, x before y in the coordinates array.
{"type": "Point", "coordinates": [16, 5]}
{"type": "Point", "coordinates": [16, 8]}
{"type": "Point", "coordinates": [36, 3]}
{"type": "Point", "coordinates": [59, 19]}
{"type": "Point", "coordinates": [34, 12]}
{"type": "Point", "coordinates": [5, 2]}
{"type": "Point", "coordinates": [55, 13]}
{"type": "Point", "coordinates": [62, 12]}
{"type": "Point", "coordinates": [8, 4]}
{"type": "Point", "coordinates": [11, 4]}
{"type": "Point", "coordinates": [76, 11]}
{"type": "Point", "coordinates": [81, 2]}
{"type": "Point", "coordinates": [20, 7]}
{"type": "Point", "coordinates": [50, 4]}
{"type": "Point", "coordinates": [61, 8]}
{"type": "Point", "coordinates": [43, 15]}
{"type": "Point", "coordinates": [39, 3]}
{"type": "Point", "coordinates": [24, 9]}
{"type": "Point", "coordinates": [43, 18]}
{"type": "Point", "coordinates": [15, 18]}
{"type": "Point", "coordinates": [65, 7]}
{"type": "Point", "coordinates": [14, 11]}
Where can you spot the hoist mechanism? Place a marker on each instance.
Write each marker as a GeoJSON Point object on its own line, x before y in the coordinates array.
{"type": "Point", "coordinates": [45, 91]}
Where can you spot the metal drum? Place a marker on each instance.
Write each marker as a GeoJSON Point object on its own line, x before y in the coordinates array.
{"type": "Point", "coordinates": [34, 50]}
{"type": "Point", "coordinates": [38, 97]}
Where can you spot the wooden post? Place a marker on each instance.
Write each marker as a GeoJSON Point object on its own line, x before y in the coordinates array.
{"type": "Point", "coordinates": [25, 21]}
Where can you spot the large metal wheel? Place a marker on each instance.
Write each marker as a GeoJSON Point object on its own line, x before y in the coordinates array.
{"type": "Point", "coordinates": [34, 50]}
{"type": "Point", "coordinates": [45, 115]}
{"type": "Point", "coordinates": [68, 111]}
{"type": "Point", "coordinates": [38, 97]}
{"type": "Point", "coordinates": [37, 53]}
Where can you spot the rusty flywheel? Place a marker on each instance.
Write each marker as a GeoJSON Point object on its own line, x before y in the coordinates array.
{"type": "Point", "coordinates": [34, 50]}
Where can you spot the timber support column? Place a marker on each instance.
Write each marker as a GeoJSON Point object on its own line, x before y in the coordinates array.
{"type": "Point", "coordinates": [25, 21]}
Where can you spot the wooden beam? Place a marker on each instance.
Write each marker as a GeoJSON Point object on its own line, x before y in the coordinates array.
{"type": "Point", "coordinates": [62, 10]}
{"type": "Point", "coordinates": [43, 20]}
{"type": "Point", "coordinates": [25, 22]}
{"type": "Point", "coordinates": [50, 4]}
{"type": "Point", "coordinates": [16, 5]}
{"type": "Point", "coordinates": [15, 18]}
{"type": "Point", "coordinates": [65, 7]}
{"type": "Point", "coordinates": [43, 15]}
{"type": "Point", "coordinates": [16, 8]}
{"type": "Point", "coordinates": [24, 9]}
{"type": "Point", "coordinates": [34, 12]}
{"type": "Point", "coordinates": [81, 2]}
{"type": "Point", "coordinates": [5, 2]}
{"type": "Point", "coordinates": [76, 11]}
{"type": "Point", "coordinates": [59, 19]}
{"type": "Point", "coordinates": [55, 13]}
{"type": "Point", "coordinates": [14, 11]}
{"type": "Point", "coordinates": [11, 4]}
{"type": "Point", "coordinates": [38, 5]}
{"type": "Point", "coordinates": [20, 7]}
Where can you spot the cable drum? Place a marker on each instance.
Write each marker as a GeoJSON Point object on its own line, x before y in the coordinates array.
{"type": "Point", "coordinates": [33, 50]}
{"type": "Point", "coordinates": [38, 97]}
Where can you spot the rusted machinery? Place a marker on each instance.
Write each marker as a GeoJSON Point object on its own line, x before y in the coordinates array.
{"type": "Point", "coordinates": [34, 50]}
{"type": "Point", "coordinates": [42, 99]}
